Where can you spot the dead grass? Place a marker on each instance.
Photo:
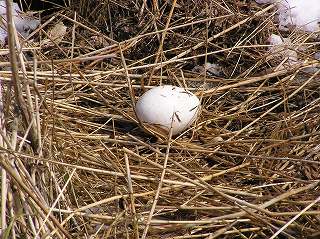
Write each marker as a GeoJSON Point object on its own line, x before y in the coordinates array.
{"type": "Point", "coordinates": [75, 162]}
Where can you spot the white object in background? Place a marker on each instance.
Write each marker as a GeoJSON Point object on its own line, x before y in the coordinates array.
{"type": "Point", "coordinates": [24, 23]}
{"type": "Point", "coordinates": [211, 69]}
{"type": "Point", "coordinates": [165, 105]}
{"type": "Point", "coordinates": [275, 39]}
{"type": "Point", "coordinates": [300, 13]}
{"type": "Point", "coordinates": [281, 47]}
{"type": "Point", "coordinates": [304, 14]}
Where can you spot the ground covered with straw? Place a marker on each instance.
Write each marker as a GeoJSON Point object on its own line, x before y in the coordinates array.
{"type": "Point", "coordinates": [76, 163]}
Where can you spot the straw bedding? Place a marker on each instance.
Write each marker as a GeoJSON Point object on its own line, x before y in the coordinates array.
{"type": "Point", "coordinates": [248, 168]}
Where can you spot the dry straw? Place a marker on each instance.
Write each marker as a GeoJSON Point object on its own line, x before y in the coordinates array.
{"type": "Point", "coordinates": [75, 162]}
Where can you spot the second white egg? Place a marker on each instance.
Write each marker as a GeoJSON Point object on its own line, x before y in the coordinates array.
{"type": "Point", "coordinates": [168, 105]}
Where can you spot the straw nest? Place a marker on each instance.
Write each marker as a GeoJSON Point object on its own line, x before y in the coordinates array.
{"type": "Point", "coordinates": [75, 162]}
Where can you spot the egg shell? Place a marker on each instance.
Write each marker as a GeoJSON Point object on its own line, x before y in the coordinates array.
{"type": "Point", "coordinates": [165, 105]}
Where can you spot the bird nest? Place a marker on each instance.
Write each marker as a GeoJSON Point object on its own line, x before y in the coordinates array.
{"type": "Point", "coordinates": [76, 163]}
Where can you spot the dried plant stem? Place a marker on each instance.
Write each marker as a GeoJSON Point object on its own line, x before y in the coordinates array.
{"type": "Point", "coordinates": [56, 201]}
{"type": "Point", "coordinates": [221, 33]}
{"type": "Point", "coordinates": [15, 177]}
{"type": "Point", "coordinates": [4, 180]}
{"type": "Point", "coordinates": [135, 218]}
{"type": "Point", "coordinates": [157, 194]}
{"type": "Point", "coordinates": [4, 193]}
{"type": "Point", "coordinates": [295, 217]}
{"type": "Point", "coordinates": [26, 114]}
{"type": "Point", "coordinates": [278, 104]}
{"type": "Point", "coordinates": [163, 37]}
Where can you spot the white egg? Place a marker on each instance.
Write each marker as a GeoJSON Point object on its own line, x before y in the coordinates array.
{"type": "Point", "coordinates": [165, 105]}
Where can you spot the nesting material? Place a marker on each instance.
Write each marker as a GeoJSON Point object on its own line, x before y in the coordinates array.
{"type": "Point", "coordinates": [168, 106]}
{"type": "Point", "coordinates": [255, 140]}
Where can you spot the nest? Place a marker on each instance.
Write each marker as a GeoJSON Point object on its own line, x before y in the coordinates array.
{"type": "Point", "coordinates": [76, 163]}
